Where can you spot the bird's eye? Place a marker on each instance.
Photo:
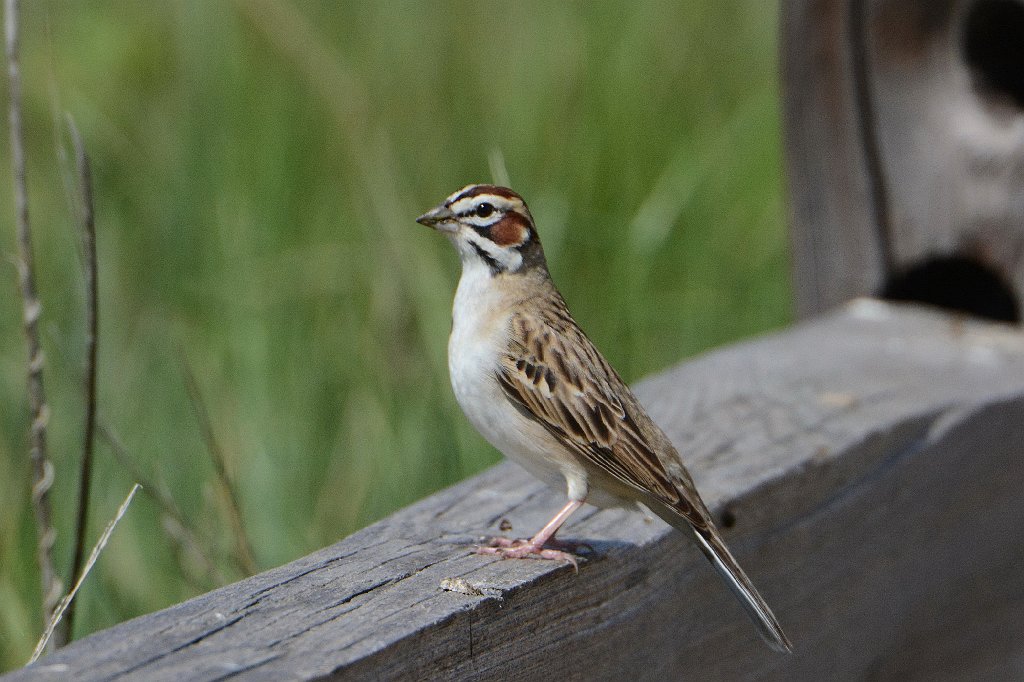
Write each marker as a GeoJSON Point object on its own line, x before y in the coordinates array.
{"type": "Point", "coordinates": [484, 210]}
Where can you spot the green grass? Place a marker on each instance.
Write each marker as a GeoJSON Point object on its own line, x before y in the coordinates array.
{"type": "Point", "coordinates": [257, 173]}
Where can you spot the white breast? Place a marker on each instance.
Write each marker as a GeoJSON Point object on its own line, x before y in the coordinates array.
{"type": "Point", "coordinates": [480, 323]}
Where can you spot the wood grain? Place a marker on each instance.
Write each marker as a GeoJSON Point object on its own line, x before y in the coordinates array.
{"type": "Point", "coordinates": [871, 463]}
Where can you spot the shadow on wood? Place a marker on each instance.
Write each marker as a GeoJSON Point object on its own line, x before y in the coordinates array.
{"type": "Point", "coordinates": [870, 463]}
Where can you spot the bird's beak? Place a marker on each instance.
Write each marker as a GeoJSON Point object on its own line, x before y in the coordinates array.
{"type": "Point", "coordinates": [440, 218]}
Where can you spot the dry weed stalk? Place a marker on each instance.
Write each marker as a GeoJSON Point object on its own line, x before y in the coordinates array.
{"type": "Point", "coordinates": [42, 468]}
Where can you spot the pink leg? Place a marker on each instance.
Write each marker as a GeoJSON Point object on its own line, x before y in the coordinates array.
{"type": "Point", "coordinates": [534, 547]}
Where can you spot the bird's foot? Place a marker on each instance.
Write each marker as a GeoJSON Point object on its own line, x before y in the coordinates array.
{"type": "Point", "coordinates": [523, 549]}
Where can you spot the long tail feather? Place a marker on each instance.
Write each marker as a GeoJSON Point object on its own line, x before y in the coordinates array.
{"type": "Point", "coordinates": [756, 607]}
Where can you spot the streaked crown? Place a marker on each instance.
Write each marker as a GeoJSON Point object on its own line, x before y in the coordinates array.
{"type": "Point", "coordinates": [489, 224]}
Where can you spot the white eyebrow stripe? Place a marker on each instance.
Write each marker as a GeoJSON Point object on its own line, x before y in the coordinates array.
{"type": "Point", "coordinates": [465, 207]}
{"type": "Point", "coordinates": [499, 202]}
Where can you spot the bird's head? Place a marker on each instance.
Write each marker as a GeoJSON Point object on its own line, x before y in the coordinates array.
{"type": "Point", "coordinates": [490, 225]}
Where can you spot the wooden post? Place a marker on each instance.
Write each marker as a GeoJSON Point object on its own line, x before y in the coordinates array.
{"type": "Point", "coordinates": [904, 125]}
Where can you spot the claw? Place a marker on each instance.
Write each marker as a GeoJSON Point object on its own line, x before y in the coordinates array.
{"type": "Point", "coordinates": [525, 549]}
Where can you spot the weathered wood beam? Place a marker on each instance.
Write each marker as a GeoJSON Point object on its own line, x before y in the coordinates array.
{"type": "Point", "coordinates": [869, 464]}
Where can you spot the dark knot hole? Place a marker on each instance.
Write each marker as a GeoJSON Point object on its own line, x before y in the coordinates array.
{"type": "Point", "coordinates": [959, 284]}
{"type": "Point", "coordinates": [993, 45]}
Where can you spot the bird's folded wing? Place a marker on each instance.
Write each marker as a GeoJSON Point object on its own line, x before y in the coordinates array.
{"type": "Point", "coordinates": [553, 373]}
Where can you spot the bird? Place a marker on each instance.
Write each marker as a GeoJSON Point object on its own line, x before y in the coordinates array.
{"type": "Point", "coordinates": [537, 389]}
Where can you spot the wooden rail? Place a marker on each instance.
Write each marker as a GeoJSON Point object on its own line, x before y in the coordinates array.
{"type": "Point", "coordinates": [868, 465]}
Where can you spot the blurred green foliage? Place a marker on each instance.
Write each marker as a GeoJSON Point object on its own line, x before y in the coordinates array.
{"type": "Point", "coordinates": [258, 166]}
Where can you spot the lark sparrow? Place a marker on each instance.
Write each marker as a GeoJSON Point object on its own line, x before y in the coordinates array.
{"type": "Point", "coordinates": [538, 390]}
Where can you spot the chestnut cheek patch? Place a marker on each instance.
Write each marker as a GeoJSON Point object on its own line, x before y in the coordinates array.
{"type": "Point", "coordinates": [509, 231]}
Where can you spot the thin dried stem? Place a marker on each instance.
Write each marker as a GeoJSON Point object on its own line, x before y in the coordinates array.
{"type": "Point", "coordinates": [69, 598]}
{"type": "Point", "coordinates": [87, 223]}
{"type": "Point", "coordinates": [243, 548]}
{"type": "Point", "coordinates": [177, 527]}
{"type": "Point", "coordinates": [42, 469]}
